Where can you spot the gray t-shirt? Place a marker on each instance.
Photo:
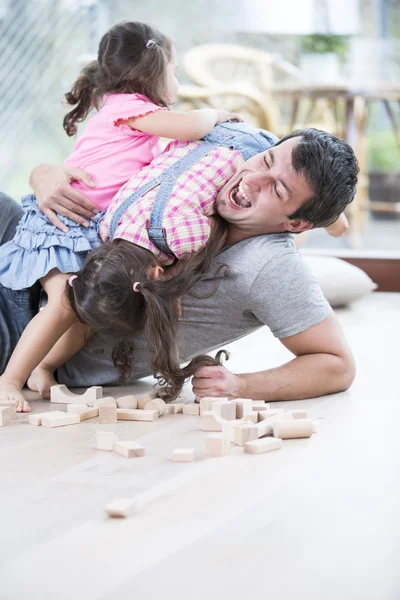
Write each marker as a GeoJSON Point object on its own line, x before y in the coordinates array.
{"type": "Point", "coordinates": [268, 284]}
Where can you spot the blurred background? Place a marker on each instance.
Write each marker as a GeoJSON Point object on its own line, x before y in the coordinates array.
{"type": "Point", "coordinates": [331, 64]}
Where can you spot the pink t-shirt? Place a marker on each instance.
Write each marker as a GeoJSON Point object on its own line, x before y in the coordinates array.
{"type": "Point", "coordinates": [111, 153]}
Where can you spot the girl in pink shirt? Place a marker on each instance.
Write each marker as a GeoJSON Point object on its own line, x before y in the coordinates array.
{"type": "Point", "coordinates": [131, 85]}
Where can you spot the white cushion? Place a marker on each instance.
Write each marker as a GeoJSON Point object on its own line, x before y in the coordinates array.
{"type": "Point", "coordinates": [340, 281]}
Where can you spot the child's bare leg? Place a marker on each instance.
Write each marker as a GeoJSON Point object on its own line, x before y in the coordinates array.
{"type": "Point", "coordinates": [42, 378]}
{"type": "Point", "coordinates": [37, 340]}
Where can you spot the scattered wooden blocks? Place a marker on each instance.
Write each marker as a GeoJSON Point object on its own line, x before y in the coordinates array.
{"type": "Point", "coordinates": [264, 427]}
{"type": "Point", "coordinates": [183, 455]}
{"type": "Point", "coordinates": [107, 414]}
{"type": "Point", "coordinates": [244, 432]}
{"type": "Point", "coordinates": [107, 401]}
{"type": "Point", "coordinates": [294, 428]}
{"type": "Point", "coordinates": [133, 414]}
{"type": "Point", "coordinates": [105, 440]}
{"type": "Point", "coordinates": [54, 419]}
{"type": "Point", "coordinates": [270, 412]}
{"type": "Point", "coordinates": [261, 408]}
{"type": "Point", "coordinates": [121, 507]}
{"type": "Point", "coordinates": [129, 449]}
{"type": "Point", "coordinates": [225, 409]}
{"type": "Point", "coordinates": [264, 445]}
{"type": "Point", "coordinates": [84, 412]}
{"type": "Point", "coordinates": [178, 407]}
{"type": "Point", "coordinates": [127, 401]}
{"type": "Point", "coordinates": [7, 413]}
{"type": "Point", "coordinates": [260, 405]}
{"type": "Point", "coordinates": [62, 395]}
{"type": "Point", "coordinates": [251, 417]}
{"type": "Point", "coordinates": [207, 402]}
{"type": "Point", "coordinates": [299, 414]}
{"type": "Point", "coordinates": [191, 409]}
{"type": "Point", "coordinates": [243, 407]}
{"type": "Point", "coordinates": [169, 409]}
{"type": "Point", "coordinates": [217, 445]}
{"type": "Point", "coordinates": [211, 421]}
{"type": "Point", "coordinates": [143, 400]}
{"type": "Point", "coordinates": [227, 428]}
{"type": "Point", "coordinates": [156, 404]}
{"type": "Point", "coordinates": [36, 418]}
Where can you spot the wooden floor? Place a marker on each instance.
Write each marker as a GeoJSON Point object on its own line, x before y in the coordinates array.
{"type": "Point", "coordinates": [317, 520]}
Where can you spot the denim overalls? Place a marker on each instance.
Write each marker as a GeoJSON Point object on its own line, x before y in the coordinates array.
{"type": "Point", "coordinates": [238, 136]}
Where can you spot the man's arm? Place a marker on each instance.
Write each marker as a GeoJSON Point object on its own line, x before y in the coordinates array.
{"type": "Point", "coordinates": [323, 364]}
{"type": "Point", "coordinates": [55, 194]}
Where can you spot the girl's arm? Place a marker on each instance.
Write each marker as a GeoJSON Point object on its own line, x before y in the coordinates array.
{"type": "Point", "coordinates": [185, 127]}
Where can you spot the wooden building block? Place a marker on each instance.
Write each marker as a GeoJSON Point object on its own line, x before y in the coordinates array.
{"type": "Point", "coordinates": [243, 407]}
{"type": "Point", "coordinates": [36, 418]}
{"type": "Point", "coordinates": [244, 432]}
{"type": "Point", "coordinates": [62, 395]}
{"type": "Point", "coordinates": [299, 414]}
{"type": "Point", "coordinates": [107, 414]}
{"type": "Point", "coordinates": [227, 428]}
{"type": "Point", "coordinates": [261, 408]}
{"type": "Point", "coordinates": [143, 400]}
{"type": "Point", "coordinates": [121, 507]}
{"type": "Point", "coordinates": [169, 409]}
{"type": "Point", "coordinates": [105, 440]}
{"type": "Point", "coordinates": [127, 401]}
{"type": "Point", "coordinates": [225, 409]}
{"type": "Point", "coordinates": [106, 401]}
{"type": "Point", "coordinates": [264, 445]}
{"type": "Point", "coordinates": [84, 412]}
{"type": "Point", "coordinates": [251, 417]}
{"type": "Point", "coordinates": [191, 409]}
{"type": "Point", "coordinates": [129, 449]}
{"type": "Point", "coordinates": [133, 414]}
{"type": "Point", "coordinates": [7, 413]}
{"type": "Point", "coordinates": [211, 421]}
{"type": "Point", "coordinates": [315, 426]}
{"type": "Point", "coordinates": [269, 412]}
{"type": "Point", "coordinates": [183, 455]}
{"type": "Point", "coordinates": [52, 419]}
{"type": "Point", "coordinates": [156, 404]}
{"type": "Point", "coordinates": [207, 402]}
{"type": "Point", "coordinates": [217, 445]}
{"type": "Point", "coordinates": [264, 427]}
{"type": "Point", "coordinates": [291, 429]}
{"type": "Point", "coordinates": [178, 407]}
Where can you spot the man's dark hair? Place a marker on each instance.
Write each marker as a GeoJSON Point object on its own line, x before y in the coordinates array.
{"type": "Point", "coordinates": [330, 168]}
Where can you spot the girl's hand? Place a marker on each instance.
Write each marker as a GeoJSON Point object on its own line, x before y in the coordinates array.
{"type": "Point", "coordinates": [339, 227]}
{"type": "Point", "coordinates": [54, 193]}
{"type": "Point", "coordinates": [224, 115]}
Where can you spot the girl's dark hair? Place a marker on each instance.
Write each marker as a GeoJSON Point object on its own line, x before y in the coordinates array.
{"type": "Point", "coordinates": [103, 297]}
{"type": "Point", "coordinates": [132, 58]}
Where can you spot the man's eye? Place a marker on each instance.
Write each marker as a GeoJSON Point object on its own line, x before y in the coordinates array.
{"type": "Point", "coordinates": [265, 162]}
{"type": "Point", "coordinates": [277, 193]}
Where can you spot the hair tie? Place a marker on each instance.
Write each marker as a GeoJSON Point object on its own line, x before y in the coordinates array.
{"type": "Point", "coordinates": [135, 286]}
{"type": "Point", "coordinates": [150, 43]}
{"type": "Point", "coordinates": [72, 279]}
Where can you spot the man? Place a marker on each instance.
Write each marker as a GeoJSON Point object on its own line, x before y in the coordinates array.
{"type": "Point", "coordinates": [305, 180]}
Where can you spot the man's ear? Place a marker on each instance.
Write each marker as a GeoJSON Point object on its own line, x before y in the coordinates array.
{"type": "Point", "coordinates": [298, 225]}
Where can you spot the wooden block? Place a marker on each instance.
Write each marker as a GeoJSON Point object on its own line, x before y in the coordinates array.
{"type": "Point", "coordinates": [106, 401]}
{"type": "Point", "coordinates": [62, 395]}
{"type": "Point", "coordinates": [129, 449]}
{"type": "Point", "coordinates": [107, 414]}
{"type": "Point", "coordinates": [264, 427]}
{"type": "Point", "coordinates": [299, 414]}
{"type": "Point", "coordinates": [156, 404]}
{"type": "Point", "coordinates": [251, 417]}
{"type": "Point", "coordinates": [36, 418]}
{"type": "Point", "coordinates": [105, 440]}
{"type": "Point", "coordinates": [315, 426]}
{"type": "Point", "coordinates": [52, 419]}
{"type": "Point", "coordinates": [191, 409]}
{"type": "Point", "coordinates": [169, 409]}
{"type": "Point", "coordinates": [133, 414]}
{"type": "Point", "coordinates": [225, 409]}
{"type": "Point", "coordinates": [259, 405]}
{"type": "Point", "coordinates": [207, 402]}
{"type": "Point", "coordinates": [243, 407]}
{"type": "Point", "coordinates": [264, 445]}
{"type": "Point", "coordinates": [183, 455]}
{"type": "Point", "coordinates": [84, 412]}
{"type": "Point", "coordinates": [227, 428]}
{"type": "Point", "coordinates": [7, 413]}
{"type": "Point", "coordinates": [143, 400]}
{"type": "Point", "coordinates": [127, 401]}
{"type": "Point", "coordinates": [211, 421]}
{"type": "Point", "coordinates": [269, 412]}
{"type": "Point", "coordinates": [261, 408]}
{"type": "Point", "coordinates": [244, 432]}
{"type": "Point", "coordinates": [294, 428]}
{"type": "Point", "coordinates": [217, 445]}
{"type": "Point", "coordinates": [121, 507]}
{"type": "Point", "coordinates": [178, 407]}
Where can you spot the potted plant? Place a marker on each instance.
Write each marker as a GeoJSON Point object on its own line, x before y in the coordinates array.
{"type": "Point", "coordinates": [383, 169]}
{"type": "Point", "coordinates": [321, 57]}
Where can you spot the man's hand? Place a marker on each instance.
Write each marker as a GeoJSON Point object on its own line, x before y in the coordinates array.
{"type": "Point", "coordinates": [339, 227]}
{"type": "Point", "coordinates": [55, 194]}
{"type": "Point", "coordinates": [216, 382]}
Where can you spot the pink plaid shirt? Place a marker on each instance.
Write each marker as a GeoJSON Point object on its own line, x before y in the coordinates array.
{"type": "Point", "coordinates": [190, 204]}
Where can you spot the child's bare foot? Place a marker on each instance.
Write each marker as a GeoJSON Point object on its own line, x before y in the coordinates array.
{"type": "Point", "coordinates": [11, 392]}
{"type": "Point", "coordinates": [41, 380]}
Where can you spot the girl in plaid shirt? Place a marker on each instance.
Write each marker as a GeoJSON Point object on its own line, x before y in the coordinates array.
{"type": "Point", "coordinates": [131, 85]}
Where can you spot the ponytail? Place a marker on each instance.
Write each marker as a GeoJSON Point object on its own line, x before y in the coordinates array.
{"type": "Point", "coordinates": [83, 94]}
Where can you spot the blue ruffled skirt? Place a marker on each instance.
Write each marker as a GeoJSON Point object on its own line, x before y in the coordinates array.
{"type": "Point", "coordinates": [38, 246]}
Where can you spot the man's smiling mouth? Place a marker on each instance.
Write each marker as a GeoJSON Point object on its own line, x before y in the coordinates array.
{"type": "Point", "coordinates": [239, 197]}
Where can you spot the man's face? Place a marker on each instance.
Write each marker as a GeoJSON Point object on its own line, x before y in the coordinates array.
{"type": "Point", "coordinates": [261, 195]}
